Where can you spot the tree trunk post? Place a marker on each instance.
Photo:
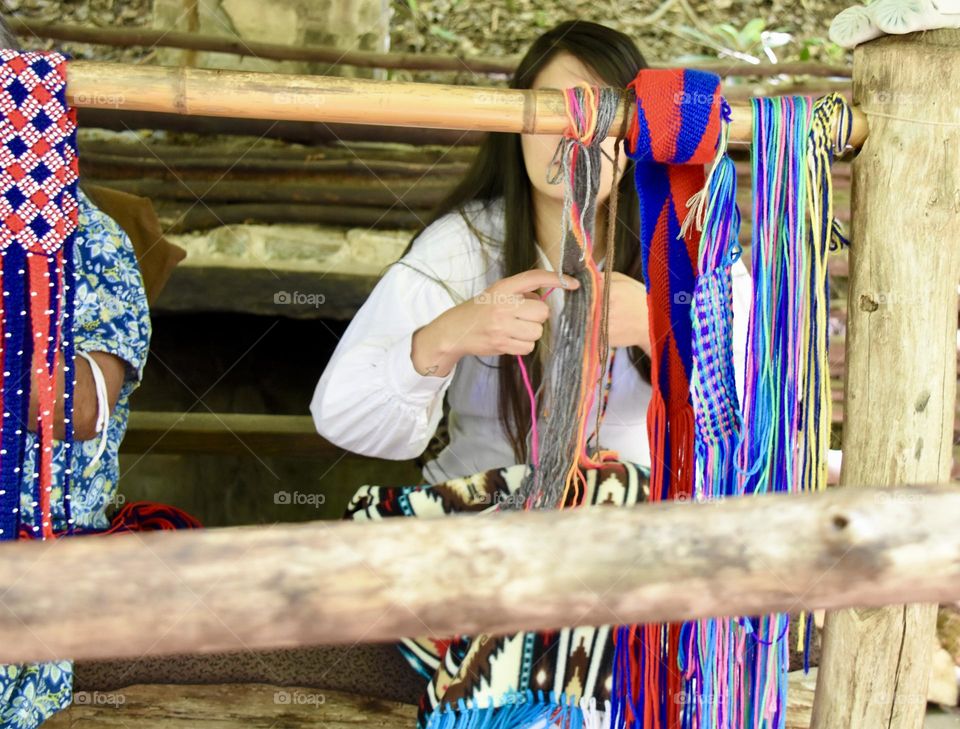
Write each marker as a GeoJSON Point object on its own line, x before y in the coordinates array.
{"type": "Point", "coordinates": [901, 351]}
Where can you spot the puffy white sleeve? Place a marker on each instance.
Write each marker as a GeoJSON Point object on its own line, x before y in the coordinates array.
{"type": "Point", "coordinates": [742, 303]}
{"type": "Point", "coordinates": [370, 399]}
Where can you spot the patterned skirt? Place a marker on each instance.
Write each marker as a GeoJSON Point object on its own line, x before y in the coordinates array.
{"type": "Point", "coordinates": [527, 679]}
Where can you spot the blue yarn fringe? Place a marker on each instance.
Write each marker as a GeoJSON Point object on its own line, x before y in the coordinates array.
{"type": "Point", "coordinates": [517, 710]}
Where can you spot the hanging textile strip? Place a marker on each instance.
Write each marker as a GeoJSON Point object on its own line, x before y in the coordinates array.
{"type": "Point", "coordinates": [674, 133]}
{"type": "Point", "coordinates": [714, 386]}
{"type": "Point", "coordinates": [38, 220]}
{"type": "Point", "coordinates": [715, 689]}
{"type": "Point", "coordinates": [786, 422]}
{"type": "Point", "coordinates": [767, 454]}
{"type": "Point", "coordinates": [575, 363]}
{"type": "Point", "coordinates": [831, 127]}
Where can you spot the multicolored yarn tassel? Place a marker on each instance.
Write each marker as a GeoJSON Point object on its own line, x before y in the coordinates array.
{"type": "Point", "coordinates": [675, 132]}
{"type": "Point", "coordinates": [785, 426]}
{"type": "Point", "coordinates": [717, 408]}
{"type": "Point", "coordinates": [787, 400]}
{"type": "Point", "coordinates": [576, 369]}
{"type": "Point", "coordinates": [523, 709]}
{"type": "Point", "coordinates": [575, 365]}
{"type": "Point", "coordinates": [710, 646]}
{"type": "Point", "coordinates": [831, 127]}
{"type": "Point", "coordinates": [38, 221]}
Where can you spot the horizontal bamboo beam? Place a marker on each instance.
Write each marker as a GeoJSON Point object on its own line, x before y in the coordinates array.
{"type": "Point", "coordinates": [341, 582]}
{"type": "Point", "coordinates": [154, 38]}
{"type": "Point", "coordinates": [291, 97]}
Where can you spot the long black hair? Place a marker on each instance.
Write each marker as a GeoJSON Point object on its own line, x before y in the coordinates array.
{"type": "Point", "coordinates": [498, 171]}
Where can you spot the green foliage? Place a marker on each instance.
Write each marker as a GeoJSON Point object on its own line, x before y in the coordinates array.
{"type": "Point", "coordinates": [746, 39]}
{"type": "Point", "coordinates": [443, 33]}
{"type": "Point", "coordinates": [821, 49]}
{"type": "Point", "coordinates": [749, 42]}
{"type": "Point", "coordinates": [434, 29]}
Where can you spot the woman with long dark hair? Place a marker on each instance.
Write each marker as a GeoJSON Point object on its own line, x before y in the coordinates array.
{"type": "Point", "coordinates": [449, 318]}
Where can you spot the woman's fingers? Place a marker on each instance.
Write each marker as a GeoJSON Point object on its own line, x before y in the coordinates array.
{"type": "Point", "coordinates": [526, 331]}
{"type": "Point", "coordinates": [536, 278]}
{"type": "Point", "coordinates": [519, 346]}
{"type": "Point", "coordinates": [533, 310]}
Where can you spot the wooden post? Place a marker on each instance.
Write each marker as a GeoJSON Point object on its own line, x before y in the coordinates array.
{"type": "Point", "coordinates": [901, 351]}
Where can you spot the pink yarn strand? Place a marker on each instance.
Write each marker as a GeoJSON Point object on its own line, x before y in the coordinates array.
{"type": "Point", "coordinates": [534, 435]}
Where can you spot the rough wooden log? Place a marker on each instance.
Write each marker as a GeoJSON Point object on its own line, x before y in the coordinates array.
{"type": "Point", "coordinates": [105, 166]}
{"type": "Point", "coordinates": [901, 354]}
{"type": "Point", "coordinates": [183, 218]}
{"type": "Point", "coordinates": [338, 582]}
{"type": "Point", "coordinates": [305, 132]}
{"type": "Point", "coordinates": [160, 38]}
{"type": "Point", "coordinates": [366, 59]}
{"type": "Point", "coordinates": [371, 152]}
{"type": "Point", "coordinates": [219, 154]}
{"type": "Point", "coordinates": [138, 159]}
{"type": "Point", "coordinates": [368, 191]}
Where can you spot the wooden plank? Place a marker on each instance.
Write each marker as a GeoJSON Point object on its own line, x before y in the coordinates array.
{"type": "Point", "coordinates": [254, 289]}
{"type": "Point", "coordinates": [234, 433]}
{"type": "Point", "coordinates": [227, 706]}
{"type": "Point", "coordinates": [285, 585]}
{"type": "Point", "coordinates": [190, 217]}
{"type": "Point", "coordinates": [260, 706]}
{"type": "Point", "coordinates": [901, 366]}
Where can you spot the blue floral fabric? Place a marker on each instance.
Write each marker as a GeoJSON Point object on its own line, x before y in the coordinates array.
{"type": "Point", "coordinates": [111, 315]}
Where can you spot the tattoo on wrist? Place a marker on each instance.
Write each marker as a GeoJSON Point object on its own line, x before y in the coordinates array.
{"type": "Point", "coordinates": [430, 370]}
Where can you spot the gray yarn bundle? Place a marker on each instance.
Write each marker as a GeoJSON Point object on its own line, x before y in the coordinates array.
{"type": "Point", "coordinates": [542, 488]}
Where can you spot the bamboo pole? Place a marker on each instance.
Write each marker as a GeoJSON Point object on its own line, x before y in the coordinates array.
{"type": "Point", "coordinates": [149, 37]}
{"type": "Point", "coordinates": [333, 99]}
{"type": "Point", "coordinates": [340, 582]}
{"type": "Point", "coordinates": [901, 353]}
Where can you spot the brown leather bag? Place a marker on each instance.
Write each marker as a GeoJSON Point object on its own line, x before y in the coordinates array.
{"type": "Point", "coordinates": [156, 255]}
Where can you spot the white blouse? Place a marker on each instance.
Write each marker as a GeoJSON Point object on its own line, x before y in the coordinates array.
{"type": "Point", "coordinates": [371, 400]}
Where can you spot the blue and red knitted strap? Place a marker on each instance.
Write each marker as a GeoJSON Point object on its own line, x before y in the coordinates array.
{"type": "Point", "coordinates": [38, 221]}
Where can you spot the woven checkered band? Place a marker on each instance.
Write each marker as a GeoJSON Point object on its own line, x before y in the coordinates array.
{"type": "Point", "coordinates": [717, 418]}
{"type": "Point", "coordinates": [38, 162]}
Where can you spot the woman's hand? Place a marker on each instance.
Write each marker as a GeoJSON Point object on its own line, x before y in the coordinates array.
{"type": "Point", "coordinates": [506, 318]}
{"type": "Point", "coordinates": [629, 325]}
